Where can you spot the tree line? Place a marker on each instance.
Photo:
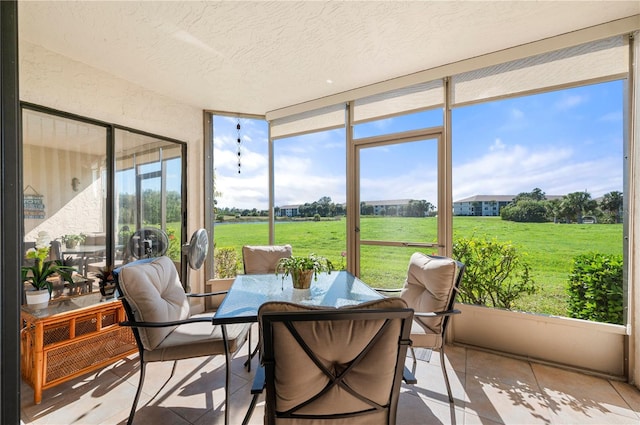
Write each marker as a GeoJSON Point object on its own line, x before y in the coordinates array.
{"type": "Point", "coordinates": [571, 208]}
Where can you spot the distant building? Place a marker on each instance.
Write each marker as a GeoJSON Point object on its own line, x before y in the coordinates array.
{"type": "Point", "coordinates": [486, 205]}
{"type": "Point", "coordinates": [389, 207]}
{"type": "Point", "coordinates": [482, 205]}
{"type": "Point", "coordinates": [289, 211]}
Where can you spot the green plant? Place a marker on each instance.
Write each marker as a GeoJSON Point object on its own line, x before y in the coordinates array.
{"type": "Point", "coordinates": [37, 274]}
{"type": "Point", "coordinates": [226, 262]}
{"type": "Point", "coordinates": [595, 288]}
{"type": "Point", "coordinates": [73, 238]}
{"type": "Point", "coordinates": [496, 274]}
{"type": "Point", "coordinates": [293, 265]}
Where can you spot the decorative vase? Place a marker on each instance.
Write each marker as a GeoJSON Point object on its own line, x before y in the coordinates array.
{"type": "Point", "coordinates": [71, 244]}
{"type": "Point", "coordinates": [38, 298]}
{"type": "Point", "coordinates": [301, 278]}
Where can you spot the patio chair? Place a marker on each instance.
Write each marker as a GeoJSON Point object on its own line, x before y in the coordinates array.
{"type": "Point", "coordinates": [158, 312]}
{"type": "Point", "coordinates": [262, 259]}
{"type": "Point", "coordinates": [430, 289]}
{"type": "Point", "coordinates": [342, 366]}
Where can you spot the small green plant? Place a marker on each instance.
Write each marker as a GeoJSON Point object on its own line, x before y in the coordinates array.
{"type": "Point", "coordinates": [496, 273]}
{"type": "Point", "coordinates": [226, 262]}
{"type": "Point", "coordinates": [595, 288]}
{"type": "Point", "coordinates": [315, 263]}
{"type": "Point", "coordinates": [42, 269]}
{"type": "Point", "coordinates": [72, 240]}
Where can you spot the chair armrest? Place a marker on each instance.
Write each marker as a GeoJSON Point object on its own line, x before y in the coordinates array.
{"type": "Point", "coordinates": [436, 313]}
{"type": "Point", "coordinates": [409, 377]}
{"type": "Point", "coordinates": [388, 290]}
{"type": "Point", "coordinates": [134, 324]}
{"type": "Point", "coordinates": [258, 381]}
{"type": "Point", "coordinates": [207, 294]}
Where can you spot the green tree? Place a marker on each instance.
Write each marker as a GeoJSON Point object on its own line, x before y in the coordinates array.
{"type": "Point", "coordinates": [611, 204]}
{"type": "Point", "coordinates": [577, 204]}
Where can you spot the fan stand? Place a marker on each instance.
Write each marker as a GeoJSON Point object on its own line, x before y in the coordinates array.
{"type": "Point", "coordinates": [195, 252]}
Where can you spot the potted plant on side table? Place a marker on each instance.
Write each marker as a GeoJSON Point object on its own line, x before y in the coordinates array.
{"type": "Point", "coordinates": [302, 269]}
{"type": "Point", "coordinates": [42, 270]}
{"type": "Point", "coordinates": [107, 281]}
{"type": "Point", "coordinates": [71, 241]}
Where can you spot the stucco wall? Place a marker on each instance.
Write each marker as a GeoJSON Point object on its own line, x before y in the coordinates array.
{"type": "Point", "coordinates": [55, 81]}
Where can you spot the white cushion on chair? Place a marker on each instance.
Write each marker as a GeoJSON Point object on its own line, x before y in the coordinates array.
{"type": "Point", "coordinates": [154, 291]}
{"type": "Point", "coordinates": [428, 287]}
{"type": "Point", "coordinates": [263, 259]}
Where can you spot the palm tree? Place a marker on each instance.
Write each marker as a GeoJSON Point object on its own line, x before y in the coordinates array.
{"type": "Point", "coordinates": [576, 204]}
{"type": "Point", "coordinates": [612, 204]}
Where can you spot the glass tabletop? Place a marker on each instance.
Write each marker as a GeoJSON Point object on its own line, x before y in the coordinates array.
{"type": "Point", "coordinates": [249, 292]}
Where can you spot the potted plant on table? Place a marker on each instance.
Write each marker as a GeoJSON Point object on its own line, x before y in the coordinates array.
{"type": "Point", "coordinates": [302, 269]}
{"type": "Point", "coordinates": [72, 240]}
{"type": "Point", "coordinates": [107, 282]}
{"type": "Point", "coordinates": [42, 270]}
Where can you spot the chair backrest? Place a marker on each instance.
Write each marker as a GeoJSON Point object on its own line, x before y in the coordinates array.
{"type": "Point", "coordinates": [431, 285]}
{"type": "Point", "coordinates": [343, 364]}
{"type": "Point", "coordinates": [263, 259]}
{"type": "Point", "coordinates": [151, 291]}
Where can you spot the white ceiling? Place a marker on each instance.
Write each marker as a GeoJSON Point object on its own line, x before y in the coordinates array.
{"type": "Point", "coordinates": [256, 57]}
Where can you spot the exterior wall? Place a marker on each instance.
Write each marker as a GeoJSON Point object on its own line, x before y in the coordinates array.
{"type": "Point", "coordinates": [55, 81]}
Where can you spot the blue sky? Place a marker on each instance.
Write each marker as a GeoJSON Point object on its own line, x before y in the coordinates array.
{"type": "Point", "coordinates": [561, 142]}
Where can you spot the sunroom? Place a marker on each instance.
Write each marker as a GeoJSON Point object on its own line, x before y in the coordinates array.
{"type": "Point", "coordinates": [216, 108]}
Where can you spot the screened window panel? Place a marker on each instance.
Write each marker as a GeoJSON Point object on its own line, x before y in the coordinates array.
{"type": "Point", "coordinates": [408, 99]}
{"type": "Point", "coordinates": [317, 120]}
{"type": "Point", "coordinates": [596, 60]}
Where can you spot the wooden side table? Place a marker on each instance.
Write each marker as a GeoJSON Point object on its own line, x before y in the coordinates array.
{"type": "Point", "coordinates": [71, 337]}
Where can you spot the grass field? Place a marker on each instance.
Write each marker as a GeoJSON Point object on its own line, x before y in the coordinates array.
{"type": "Point", "coordinates": [549, 248]}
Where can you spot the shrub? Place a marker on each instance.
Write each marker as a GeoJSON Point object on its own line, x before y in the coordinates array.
{"type": "Point", "coordinates": [496, 274]}
{"type": "Point", "coordinates": [595, 288]}
{"type": "Point", "coordinates": [525, 211]}
{"type": "Point", "coordinates": [226, 262]}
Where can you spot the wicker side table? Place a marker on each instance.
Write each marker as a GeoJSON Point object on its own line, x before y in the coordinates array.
{"type": "Point", "coordinates": [71, 337]}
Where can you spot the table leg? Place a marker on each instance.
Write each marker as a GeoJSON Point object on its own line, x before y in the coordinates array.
{"type": "Point", "coordinates": [38, 348]}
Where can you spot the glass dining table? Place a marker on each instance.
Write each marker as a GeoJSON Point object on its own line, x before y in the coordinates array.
{"type": "Point", "coordinates": [248, 292]}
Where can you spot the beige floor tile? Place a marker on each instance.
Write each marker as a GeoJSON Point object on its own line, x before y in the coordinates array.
{"type": "Point", "coordinates": [418, 410]}
{"type": "Point", "coordinates": [431, 383]}
{"type": "Point", "coordinates": [504, 402]}
{"type": "Point", "coordinates": [492, 366]}
{"type": "Point", "coordinates": [630, 394]}
{"type": "Point", "coordinates": [582, 398]}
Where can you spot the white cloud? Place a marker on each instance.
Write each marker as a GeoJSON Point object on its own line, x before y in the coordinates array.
{"type": "Point", "coordinates": [570, 101]}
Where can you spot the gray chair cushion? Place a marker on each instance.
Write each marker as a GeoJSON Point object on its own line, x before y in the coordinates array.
{"type": "Point", "coordinates": [336, 344]}
{"type": "Point", "coordinates": [263, 259]}
{"type": "Point", "coordinates": [429, 286]}
{"type": "Point", "coordinates": [155, 294]}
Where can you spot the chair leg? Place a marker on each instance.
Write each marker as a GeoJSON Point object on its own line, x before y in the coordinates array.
{"type": "Point", "coordinates": [444, 372]}
{"type": "Point", "coordinates": [137, 397]}
{"type": "Point", "coordinates": [252, 406]}
{"type": "Point", "coordinates": [252, 354]}
{"type": "Point", "coordinates": [415, 361]}
{"type": "Point", "coordinates": [227, 375]}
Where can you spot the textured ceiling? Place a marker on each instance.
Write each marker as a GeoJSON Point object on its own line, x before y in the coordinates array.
{"type": "Point", "coordinates": [255, 57]}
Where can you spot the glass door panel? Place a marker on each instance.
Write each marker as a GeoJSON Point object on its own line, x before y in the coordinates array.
{"type": "Point", "coordinates": [398, 199]}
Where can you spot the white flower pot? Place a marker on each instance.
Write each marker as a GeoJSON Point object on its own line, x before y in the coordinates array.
{"type": "Point", "coordinates": [38, 299]}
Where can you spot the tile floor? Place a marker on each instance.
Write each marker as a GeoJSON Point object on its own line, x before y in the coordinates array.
{"type": "Point", "coordinates": [488, 389]}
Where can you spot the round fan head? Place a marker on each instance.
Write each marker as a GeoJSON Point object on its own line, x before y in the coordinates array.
{"type": "Point", "coordinates": [148, 242]}
{"type": "Point", "coordinates": [197, 248]}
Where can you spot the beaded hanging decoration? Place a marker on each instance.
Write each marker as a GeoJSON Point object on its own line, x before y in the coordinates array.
{"type": "Point", "coordinates": [239, 142]}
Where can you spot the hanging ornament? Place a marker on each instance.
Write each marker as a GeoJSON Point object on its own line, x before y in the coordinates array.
{"type": "Point", "coordinates": [239, 142]}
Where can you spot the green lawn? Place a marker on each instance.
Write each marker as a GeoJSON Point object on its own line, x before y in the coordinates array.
{"type": "Point", "coordinates": [549, 247]}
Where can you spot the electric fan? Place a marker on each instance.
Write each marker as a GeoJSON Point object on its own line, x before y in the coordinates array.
{"type": "Point", "coordinates": [196, 252]}
{"type": "Point", "coordinates": [148, 242]}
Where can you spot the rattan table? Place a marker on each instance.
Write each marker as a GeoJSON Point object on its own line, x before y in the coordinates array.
{"type": "Point", "coordinates": [70, 337]}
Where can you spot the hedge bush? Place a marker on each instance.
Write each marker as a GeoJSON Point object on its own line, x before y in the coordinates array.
{"type": "Point", "coordinates": [595, 288]}
{"type": "Point", "coordinates": [496, 273]}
